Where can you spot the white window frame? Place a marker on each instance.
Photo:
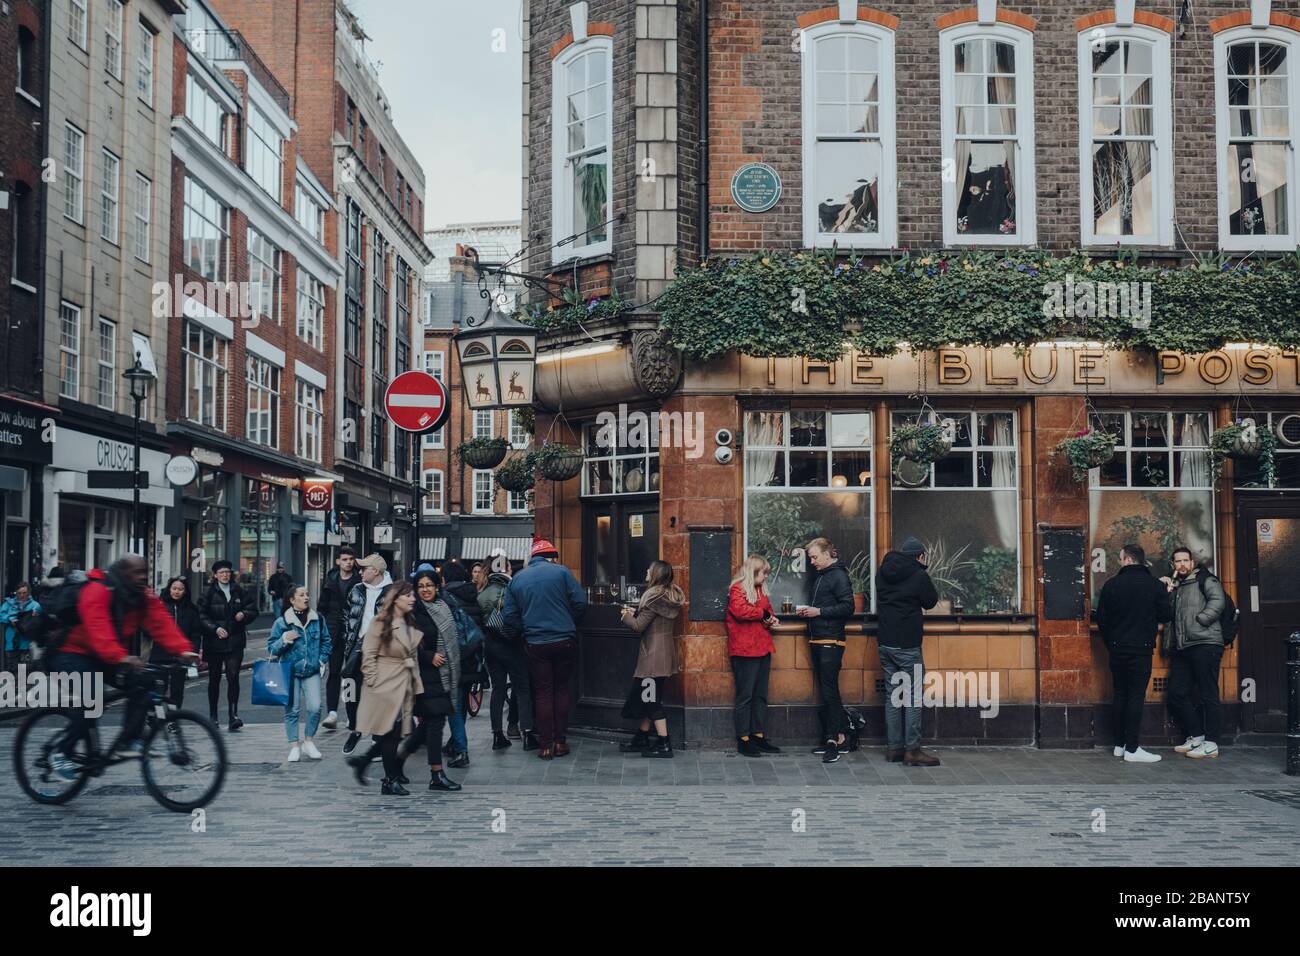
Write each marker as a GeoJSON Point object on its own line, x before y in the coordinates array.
{"type": "Point", "coordinates": [106, 367]}
{"type": "Point", "coordinates": [142, 212]}
{"type": "Point", "coordinates": [1288, 39]}
{"type": "Point", "coordinates": [197, 203]}
{"type": "Point", "coordinates": [1124, 449]}
{"type": "Point", "coordinates": [74, 171]}
{"type": "Point", "coordinates": [78, 23]}
{"type": "Point", "coordinates": [110, 193]}
{"type": "Point", "coordinates": [886, 235]}
{"type": "Point", "coordinates": [256, 266]}
{"type": "Point", "coordinates": [479, 477]}
{"type": "Point", "coordinates": [310, 401]}
{"type": "Point", "coordinates": [519, 437]}
{"type": "Point", "coordinates": [309, 213]}
{"type": "Point", "coordinates": [1026, 189]}
{"type": "Point", "coordinates": [144, 63]}
{"type": "Point", "coordinates": [200, 104]}
{"type": "Point", "coordinates": [481, 416]}
{"type": "Point", "coordinates": [435, 363]}
{"type": "Point", "coordinates": [217, 367]}
{"type": "Point", "coordinates": [517, 502]}
{"type": "Point", "coordinates": [113, 38]}
{"type": "Point", "coordinates": [432, 500]}
{"type": "Point", "coordinates": [262, 377]}
{"type": "Point", "coordinates": [1162, 160]}
{"type": "Point", "coordinates": [561, 181]}
{"type": "Point", "coordinates": [311, 309]}
{"type": "Point", "coordinates": [69, 351]}
{"type": "Point", "coordinates": [265, 154]}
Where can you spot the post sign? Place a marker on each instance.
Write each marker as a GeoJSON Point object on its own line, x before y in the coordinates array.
{"type": "Point", "coordinates": [317, 494]}
{"type": "Point", "coordinates": [756, 187]}
{"type": "Point", "coordinates": [416, 402]}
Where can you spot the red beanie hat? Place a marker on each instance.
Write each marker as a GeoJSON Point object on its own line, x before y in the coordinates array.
{"type": "Point", "coordinates": [542, 546]}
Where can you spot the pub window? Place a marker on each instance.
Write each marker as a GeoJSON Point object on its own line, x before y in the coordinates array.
{"type": "Point", "coordinates": [1286, 426]}
{"type": "Point", "coordinates": [808, 474]}
{"type": "Point", "coordinates": [986, 94]}
{"type": "Point", "coordinates": [614, 464]}
{"type": "Point", "coordinates": [1156, 491]}
{"type": "Point", "coordinates": [965, 510]}
{"type": "Point", "coordinates": [848, 136]}
{"type": "Point", "coordinates": [1256, 97]}
{"type": "Point", "coordinates": [581, 108]}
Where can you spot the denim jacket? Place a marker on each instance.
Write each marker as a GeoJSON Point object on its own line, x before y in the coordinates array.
{"type": "Point", "coordinates": [309, 652]}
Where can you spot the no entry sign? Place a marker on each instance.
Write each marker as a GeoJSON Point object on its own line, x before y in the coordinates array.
{"type": "Point", "coordinates": [416, 402]}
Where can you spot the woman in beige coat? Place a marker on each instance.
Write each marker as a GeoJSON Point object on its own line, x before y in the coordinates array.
{"type": "Point", "coordinates": [655, 620]}
{"type": "Point", "coordinates": [391, 671]}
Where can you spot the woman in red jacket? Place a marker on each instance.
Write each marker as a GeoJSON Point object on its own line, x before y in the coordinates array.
{"type": "Point", "coordinates": [749, 643]}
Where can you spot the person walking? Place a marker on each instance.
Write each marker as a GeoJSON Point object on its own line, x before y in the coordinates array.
{"type": "Point", "coordinates": [15, 612]}
{"type": "Point", "coordinates": [830, 605]}
{"type": "Point", "coordinates": [749, 623]}
{"type": "Point", "coordinates": [1197, 648]}
{"type": "Point", "coordinates": [364, 601]}
{"type": "Point", "coordinates": [226, 612]}
{"type": "Point", "coordinates": [1130, 609]}
{"type": "Point", "coordinates": [279, 587]}
{"type": "Point", "coordinates": [391, 671]}
{"type": "Point", "coordinates": [439, 659]}
{"type": "Point", "coordinates": [460, 594]}
{"type": "Point", "coordinates": [300, 636]}
{"type": "Point", "coordinates": [506, 659]}
{"type": "Point", "coordinates": [186, 617]}
{"type": "Point", "coordinates": [332, 606]}
{"type": "Point", "coordinates": [544, 602]}
{"type": "Point", "coordinates": [903, 591]}
{"type": "Point", "coordinates": [654, 619]}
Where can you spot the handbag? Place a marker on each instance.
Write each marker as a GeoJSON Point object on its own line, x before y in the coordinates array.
{"type": "Point", "coordinates": [272, 682]}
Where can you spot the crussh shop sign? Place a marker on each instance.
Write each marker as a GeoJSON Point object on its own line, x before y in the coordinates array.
{"type": "Point", "coordinates": [1056, 368]}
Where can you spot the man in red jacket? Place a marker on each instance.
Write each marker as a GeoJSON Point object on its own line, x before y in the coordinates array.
{"type": "Point", "coordinates": [113, 607]}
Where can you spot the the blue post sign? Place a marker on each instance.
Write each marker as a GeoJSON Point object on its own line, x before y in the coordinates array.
{"type": "Point", "coordinates": [756, 187]}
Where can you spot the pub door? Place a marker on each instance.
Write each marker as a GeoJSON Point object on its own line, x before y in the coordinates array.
{"type": "Point", "coordinates": [1268, 555]}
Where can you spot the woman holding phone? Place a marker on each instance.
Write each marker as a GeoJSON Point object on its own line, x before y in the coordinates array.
{"type": "Point", "coordinates": [299, 636]}
{"type": "Point", "coordinates": [749, 644]}
{"type": "Point", "coordinates": [654, 619]}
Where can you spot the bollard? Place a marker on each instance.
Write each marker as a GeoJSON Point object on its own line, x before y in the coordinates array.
{"type": "Point", "coordinates": [1293, 704]}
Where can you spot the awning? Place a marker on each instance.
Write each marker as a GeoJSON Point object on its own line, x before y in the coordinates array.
{"type": "Point", "coordinates": [433, 549]}
{"type": "Point", "coordinates": [516, 549]}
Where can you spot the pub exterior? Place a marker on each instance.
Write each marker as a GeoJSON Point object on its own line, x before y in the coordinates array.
{"type": "Point", "coordinates": [795, 230]}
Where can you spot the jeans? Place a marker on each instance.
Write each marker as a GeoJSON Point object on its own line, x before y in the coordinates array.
{"type": "Point", "coordinates": [456, 722]}
{"type": "Point", "coordinates": [508, 659]}
{"type": "Point", "coordinates": [751, 675]}
{"type": "Point", "coordinates": [305, 693]}
{"type": "Point", "coordinates": [1131, 673]}
{"type": "Point", "coordinates": [1196, 667]}
{"type": "Point", "coordinates": [826, 661]}
{"type": "Point", "coordinates": [334, 680]}
{"type": "Point", "coordinates": [551, 666]}
{"type": "Point", "coordinates": [903, 725]}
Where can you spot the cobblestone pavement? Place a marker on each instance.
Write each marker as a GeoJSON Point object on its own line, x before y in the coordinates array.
{"type": "Point", "coordinates": [983, 806]}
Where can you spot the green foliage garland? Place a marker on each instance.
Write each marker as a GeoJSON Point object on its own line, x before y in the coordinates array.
{"type": "Point", "coordinates": [1223, 445]}
{"type": "Point", "coordinates": [574, 312]}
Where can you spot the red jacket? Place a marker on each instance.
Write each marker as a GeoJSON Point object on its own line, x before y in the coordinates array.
{"type": "Point", "coordinates": [96, 635]}
{"type": "Point", "coordinates": [746, 634]}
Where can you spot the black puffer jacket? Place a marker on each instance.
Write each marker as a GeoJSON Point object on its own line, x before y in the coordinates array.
{"type": "Point", "coordinates": [832, 592]}
{"type": "Point", "coordinates": [903, 590]}
{"type": "Point", "coordinates": [1130, 610]}
{"type": "Point", "coordinates": [333, 603]}
{"type": "Point", "coordinates": [217, 612]}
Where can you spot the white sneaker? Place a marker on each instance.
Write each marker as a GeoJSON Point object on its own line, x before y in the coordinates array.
{"type": "Point", "coordinates": [1207, 748]}
{"type": "Point", "coordinates": [1189, 744]}
{"type": "Point", "coordinates": [295, 754]}
{"type": "Point", "coordinates": [309, 748]}
{"type": "Point", "coordinates": [330, 722]}
{"type": "Point", "coordinates": [1119, 751]}
{"type": "Point", "coordinates": [1141, 756]}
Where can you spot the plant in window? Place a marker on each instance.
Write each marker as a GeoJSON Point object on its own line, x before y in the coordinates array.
{"type": "Point", "coordinates": [946, 569]}
{"type": "Point", "coordinates": [518, 474]}
{"type": "Point", "coordinates": [860, 572]}
{"type": "Point", "coordinates": [483, 452]}
{"type": "Point", "coordinates": [921, 442]}
{"type": "Point", "coordinates": [1164, 522]}
{"type": "Point", "coordinates": [994, 581]}
{"type": "Point", "coordinates": [1086, 450]}
{"type": "Point", "coordinates": [558, 462]}
{"type": "Point", "coordinates": [777, 528]}
{"type": "Point", "coordinates": [594, 193]}
{"type": "Point", "coordinates": [1243, 440]}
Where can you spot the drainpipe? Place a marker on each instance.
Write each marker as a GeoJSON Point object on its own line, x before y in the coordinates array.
{"type": "Point", "coordinates": [704, 129]}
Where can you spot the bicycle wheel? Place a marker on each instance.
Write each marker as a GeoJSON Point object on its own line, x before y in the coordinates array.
{"type": "Point", "coordinates": [184, 763]}
{"type": "Point", "coordinates": [474, 701]}
{"type": "Point", "coordinates": [51, 745]}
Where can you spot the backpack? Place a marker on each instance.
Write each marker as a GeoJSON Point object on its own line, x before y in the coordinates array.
{"type": "Point", "coordinates": [1229, 617]}
{"type": "Point", "coordinates": [58, 614]}
{"type": "Point", "coordinates": [468, 633]}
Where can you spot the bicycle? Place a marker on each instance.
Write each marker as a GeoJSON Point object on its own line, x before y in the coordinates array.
{"type": "Point", "coordinates": [57, 751]}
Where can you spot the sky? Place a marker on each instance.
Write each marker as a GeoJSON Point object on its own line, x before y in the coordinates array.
{"type": "Point", "coordinates": [453, 75]}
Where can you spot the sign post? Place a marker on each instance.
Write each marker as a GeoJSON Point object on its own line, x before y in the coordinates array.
{"type": "Point", "coordinates": [416, 402]}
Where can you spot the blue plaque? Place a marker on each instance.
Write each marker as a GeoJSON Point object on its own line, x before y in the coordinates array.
{"type": "Point", "coordinates": [756, 187]}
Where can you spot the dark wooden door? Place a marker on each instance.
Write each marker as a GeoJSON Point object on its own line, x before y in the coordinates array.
{"type": "Point", "coordinates": [1268, 569]}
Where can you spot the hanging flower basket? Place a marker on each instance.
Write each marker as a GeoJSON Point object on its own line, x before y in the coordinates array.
{"type": "Point", "coordinates": [1086, 450]}
{"type": "Point", "coordinates": [517, 474]}
{"type": "Point", "coordinates": [922, 442]}
{"type": "Point", "coordinates": [558, 462]}
{"type": "Point", "coordinates": [483, 452]}
{"type": "Point", "coordinates": [1243, 440]}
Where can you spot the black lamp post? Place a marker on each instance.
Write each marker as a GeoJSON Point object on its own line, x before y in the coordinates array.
{"type": "Point", "coordinates": [139, 378]}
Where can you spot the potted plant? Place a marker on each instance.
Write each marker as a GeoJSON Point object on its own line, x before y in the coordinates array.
{"type": "Point", "coordinates": [1086, 450]}
{"type": "Point", "coordinates": [921, 442]}
{"type": "Point", "coordinates": [1243, 440]}
{"type": "Point", "coordinates": [860, 577]}
{"type": "Point", "coordinates": [483, 452]}
{"type": "Point", "coordinates": [518, 474]}
{"type": "Point", "coordinates": [945, 570]}
{"type": "Point", "coordinates": [558, 462]}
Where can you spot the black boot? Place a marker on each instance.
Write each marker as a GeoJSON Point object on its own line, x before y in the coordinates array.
{"type": "Point", "coordinates": [461, 761]}
{"type": "Point", "coordinates": [659, 747]}
{"type": "Point", "coordinates": [359, 763]}
{"type": "Point", "coordinates": [440, 781]}
{"type": "Point", "coordinates": [235, 723]}
{"type": "Point", "coordinates": [393, 788]}
{"type": "Point", "coordinates": [530, 741]}
{"type": "Point", "coordinates": [500, 741]}
{"type": "Point", "coordinates": [639, 742]}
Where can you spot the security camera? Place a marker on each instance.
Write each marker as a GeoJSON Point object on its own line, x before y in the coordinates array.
{"type": "Point", "coordinates": [723, 455]}
{"type": "Point", "coordinates": [723, 436]}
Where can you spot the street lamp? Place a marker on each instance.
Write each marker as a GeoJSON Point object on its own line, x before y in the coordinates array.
{"type": "Point", "coordinates": [139, 379]}
{"type": "Point", "coordinates": [498, 361]}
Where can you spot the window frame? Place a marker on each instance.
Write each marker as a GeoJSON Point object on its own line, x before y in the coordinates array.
{"type": "Point", "coordinates": [1026, 188]}
{"type": "Point", "coordinates": [309, 430]}
{"type": "Point", "coordinates": [188, 210]}
{"type": "Point", "coordinates": [144, 61]}
{"type": "Point", "coordinates": [647, 457]}
{"type": "Point", "coordinates": [257, 267]}
{"type": "Point", "coordinates": [78, 178]}
{"type": "Point", "coordinates": [197, 94]}
{"type": "Point", "coordinates": [435, 439]}
{"type": "Point", "coordinates": [1125, 448]}
{"type": "Point", "coordinates": [491, 491]}
{"type": "Point", "coordinates": [562, 224]}
{"type": "Point", "coordinates": [310, 309]}
{"type": "Point", "coordinates": [264, 151]}
{"type": "Point", "coordinates": [518, 503]}
{"type": "Point", "coordinates": [141, 235]}
{"type": "Point", "coordinates": [114, 55]}
{"type": "Point", "coordinates": [481, 415]}
{"type": "Point", "coordinates": [69, 355]}
{"type": "Point", "coordinates": [886, 235]}
{"type": "Point", "coordinates": [78, 12]}
{"type": "Point", "coordinates": [1162, 138]}
{"type": "Point", "coordinates": [1270, 419]}
{"type": "Point", "coordinates": [110, 202]}
{"type": "Point", "coordinates": [101, 326]}
{"type": "Point", "coordinates": [267, 381]}
{"type": "Point", "coordinates": [212, 366]}
{"type": "Point", "coordinates": [1287, 38]}
{"type": "Point", "coordinates": [437, 505]}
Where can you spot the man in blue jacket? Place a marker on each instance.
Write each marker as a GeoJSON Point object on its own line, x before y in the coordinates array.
{"type": "Point", "coordinates": [545, 602]}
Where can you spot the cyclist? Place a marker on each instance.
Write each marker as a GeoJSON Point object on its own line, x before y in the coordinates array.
{"type": "Point", "coordinates": [113, 606]}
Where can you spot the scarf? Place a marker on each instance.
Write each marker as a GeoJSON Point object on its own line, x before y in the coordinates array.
{"type": "Point", "coordinates": [443, 622]}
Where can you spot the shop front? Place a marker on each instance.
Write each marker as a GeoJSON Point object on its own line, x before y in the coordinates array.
{"type": "Point", "coordinates": [25, 450]}
{"type": "Point", "coordinates": [758, 456]}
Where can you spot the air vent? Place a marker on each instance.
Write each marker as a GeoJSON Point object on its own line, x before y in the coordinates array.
{"type": "Point", "coordinates": [1160, 684]}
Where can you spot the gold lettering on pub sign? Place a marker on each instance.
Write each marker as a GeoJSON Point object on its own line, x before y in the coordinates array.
{"type": "Point", "coordinates": [1029, 366]}
{"type": "Point", "coordinates": [953, 367]}
{"type": "Point", "coordinates": [1172, 363]}
{"type": "Point", "coordinates": [1259, 371]}
{"type": "Point", "coordinates": [990, 378]}
{"type": "Point", "coordinates": [1215, 367]}
{"type": "Point", "coordinates": [1085, 362]}
{"type": "Point", "coordinates": [859, 366]}
{"type": "Point", "coordinates": [816, 365]}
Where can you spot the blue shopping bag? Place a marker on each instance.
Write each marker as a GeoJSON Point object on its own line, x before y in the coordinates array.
{"type": "Point", "coordinates": [272, 682]}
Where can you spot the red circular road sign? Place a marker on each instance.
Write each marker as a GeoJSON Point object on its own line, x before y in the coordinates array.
{"type": "Point", "coordinates": [416, 402]}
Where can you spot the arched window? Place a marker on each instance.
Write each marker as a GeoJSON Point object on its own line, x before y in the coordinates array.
{"type": "Point", "coordinates": [582, 98]}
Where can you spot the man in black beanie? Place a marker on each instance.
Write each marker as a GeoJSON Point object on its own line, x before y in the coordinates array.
{"type": "Point", "coordinates": [903, 590]}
